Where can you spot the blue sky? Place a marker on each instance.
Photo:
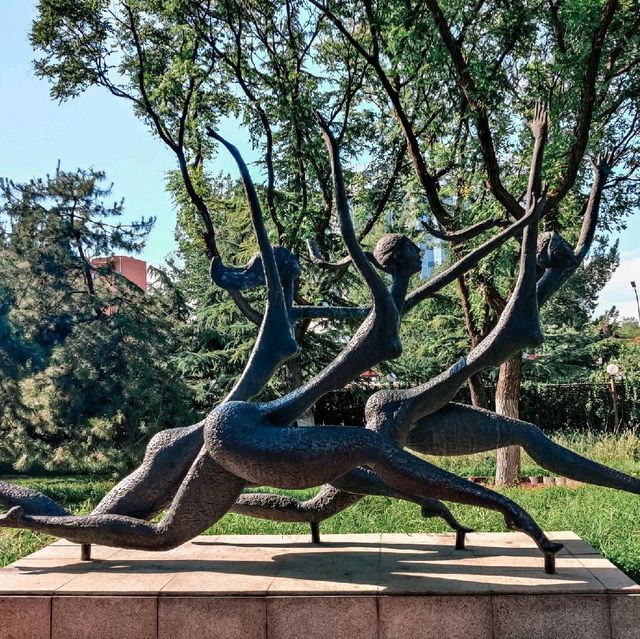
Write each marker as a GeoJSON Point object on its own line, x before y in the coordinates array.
{"type": "Point", "coordinates": [94, 130]}
{"type": "Point", "coordinates": [99, 131]}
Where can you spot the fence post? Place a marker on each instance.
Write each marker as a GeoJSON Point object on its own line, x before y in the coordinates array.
{"type": "Point", "coordinates": [616, 404]}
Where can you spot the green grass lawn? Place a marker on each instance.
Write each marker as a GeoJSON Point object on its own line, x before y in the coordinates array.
{"type": "Point", "coordinates": [607, 519]}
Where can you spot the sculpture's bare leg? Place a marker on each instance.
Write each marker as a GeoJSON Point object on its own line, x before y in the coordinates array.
{"type": "Point", "coordinates": [333, 499]}
{"type": "Point", "coordinates": [151, 487]}
{"type": "Point", "coordinates": [363, 481]}
{"type": "Point", "coordinates": [206, 494]}
{"type": "Point", "coordinates": [31, 501]}
{"type": "Point", "coordinates": [327, 502]}
{"type": "Point", "coordinates": [458, 429]}
{"type": "Point", "coordinates": [242, 439]}
{"type": "Point", "coordinates": [145, 492]}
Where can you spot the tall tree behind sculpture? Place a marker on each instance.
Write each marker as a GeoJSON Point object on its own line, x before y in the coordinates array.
{"type": "Point", "coordinates": [456, 79]}
{"type": "Point", "coordinates": [73, 358]}
{"type": "Point", "coordinates": [459, 82]}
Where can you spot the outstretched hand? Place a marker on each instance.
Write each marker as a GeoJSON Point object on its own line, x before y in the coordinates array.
{"type": "Point", "coordinates": [540, 120]}
{"type": "Point", "coordinates": [603, 163]}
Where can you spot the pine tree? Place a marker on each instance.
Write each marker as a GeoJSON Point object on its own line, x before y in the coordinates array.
{"type": "Point", "coordinates": [87, 353]}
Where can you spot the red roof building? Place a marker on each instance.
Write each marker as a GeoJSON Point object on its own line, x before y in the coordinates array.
{"type": "Point", "coordinates": [133, 269]}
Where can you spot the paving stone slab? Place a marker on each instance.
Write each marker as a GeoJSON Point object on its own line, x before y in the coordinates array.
{"type": "Point", "coordinates": [215, 617]}
{"type": "Point", "coordinates": [89, 617]}
{"type": "Point", "coordinates": [322, 618]}
{"type": "Point", "coordinates": [468, 617]}
{"type": "Point", "coordinates": [378, 586]}
{"type": "Point", "coordinates": [555, 616]}
{"type": "Point", "coordinates": [625, 616]}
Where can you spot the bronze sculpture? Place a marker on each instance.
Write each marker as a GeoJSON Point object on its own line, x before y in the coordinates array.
{"type": "Point", "coordinates": [198, 473]}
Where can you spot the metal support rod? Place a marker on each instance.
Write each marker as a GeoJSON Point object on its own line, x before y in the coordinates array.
{"type": "Point", "coordinates": [85, 552]}
{"type": "Point", "coordinates": [460, 539]}
{"type": "Point", "coordinates": [549, 563]}
{"type": "Point", "coordinates": [315, 532]}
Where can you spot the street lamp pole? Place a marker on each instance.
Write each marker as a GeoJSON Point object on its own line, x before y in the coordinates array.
{"type": "Point", "coordinates": [635, 290]}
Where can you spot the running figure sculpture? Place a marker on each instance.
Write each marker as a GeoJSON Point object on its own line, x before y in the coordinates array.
{"type": "Point", "coordinates": [196, 474]}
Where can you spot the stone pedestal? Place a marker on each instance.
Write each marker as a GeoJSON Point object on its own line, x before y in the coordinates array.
{"type": "Point", "coordinates": [349, 587]}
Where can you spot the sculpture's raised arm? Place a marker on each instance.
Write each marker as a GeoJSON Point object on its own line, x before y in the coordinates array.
{"type": "Point", "coordinates": [517, 328]}
{"type": "Point", "coordinates": [252, 276]}
{"type": "Point", "coordinates": [274, 286]}
{"type": "Point", "coordinates": [275, 342]}
{"type": "Point", "coordinates": [356, 253]}
{"type": "Point", "coordinates": [377, 338]}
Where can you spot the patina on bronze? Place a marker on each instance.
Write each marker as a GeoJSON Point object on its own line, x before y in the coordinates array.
{"type": "Point", "coordinates": [198, 473]}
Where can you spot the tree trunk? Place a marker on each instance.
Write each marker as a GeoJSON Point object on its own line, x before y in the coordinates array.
{"type": "Point", "coordinates": [476, 387]}
{"type": "Point", "coordinates": [293, 374]}
{"type": "Point", "coordinates": [507, 404]}
{"type": "Point", "coordinates": [478, 392]}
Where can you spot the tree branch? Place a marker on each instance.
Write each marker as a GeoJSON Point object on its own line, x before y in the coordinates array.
{"type": "Point", "coordinates": [468, 87]}
{"type": "Point", "coordinates": [587, 103]}
{"type": "Point", "coordinates": [427, 180]}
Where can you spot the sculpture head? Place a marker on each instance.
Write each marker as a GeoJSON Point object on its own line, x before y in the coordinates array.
{"type": "Point", "coordinates": [397, 254]}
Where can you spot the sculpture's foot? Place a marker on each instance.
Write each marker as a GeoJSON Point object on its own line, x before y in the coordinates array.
{"type": "Point", "coordinates": [315, 532]}
{"type": "Point", "coordinates": [433, 508]}
{"type": "Point", "coordinates": [85, 552]}
{"type": "Point", "coordinates": [13, 518]}
{"type": "Point", "coordinates": [548, 547]}
{"type": "Point", "coordinates": [460, 539]}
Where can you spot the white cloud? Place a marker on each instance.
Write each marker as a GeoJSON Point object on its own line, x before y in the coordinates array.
{"type": "Point", "coordinates": [618, 290]}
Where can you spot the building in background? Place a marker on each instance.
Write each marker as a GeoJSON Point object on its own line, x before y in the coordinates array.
{"type": "Point", "coordinates": [133, 269]}
{"type": "Point", "coordinates": [433, 255]}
